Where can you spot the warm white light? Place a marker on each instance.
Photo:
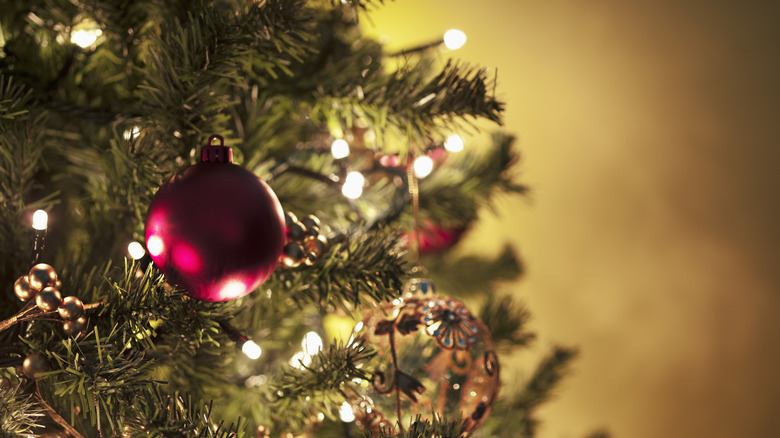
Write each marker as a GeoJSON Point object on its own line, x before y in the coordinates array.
{"type": "Point", "coordinates": [252, 350]}
{"type": "Point", "coordinates": [453, 143]}
{"type": "Point", "coordinates": [359, 326]}
{"type": "Point", "coordinates": [423, 166]}
{"type": "Point", "coordinates": [339, 148]}
{"type": "Point", "coordinates": [155, 245]}
{"type": "Point", "coordinates": [40, 220]}
{"type": "Point", "coordinates": [85, 37]}
{"type": "Point", "coordinates": [131, 133]}
{"type": "Point", "coordinates": [300, 360]}
{"type": "Point", "coordinates": [353, 185]}
{"type": "Point", "coordinates": [346, 413]}
{"type": "Point", "coordinates": [136, 250]}
{"type": "Point", "coordinates": [454, 39]}
{"type": "Point", "coordinates": [311, 343]}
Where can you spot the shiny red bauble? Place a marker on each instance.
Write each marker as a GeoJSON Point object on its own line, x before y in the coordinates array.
{"type": "Point", "coordinates": [215, 229]}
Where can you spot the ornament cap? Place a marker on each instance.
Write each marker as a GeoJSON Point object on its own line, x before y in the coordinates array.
{"type": "Point", "coordinates": [220, 153]}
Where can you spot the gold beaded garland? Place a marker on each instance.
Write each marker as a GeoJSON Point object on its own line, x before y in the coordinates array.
{"type": "Point", "coordinates": [72, 328]}
{"type": "Point", "coordinates": [22, 288]}
{"type": "Point", "coordinates": [315, 245]}
{"type": "Point", "coordinates": [293, 254]}
{"type": "Point", "coordinates": [42, 276]}
{"type": "Point", "coordinates": [48, 299]}
{"type": "Point", "coordinates": [71, 308]}
{"type": "Point", "coordinates": [296, 232]}
{"type": "Point", "coordinates": [34, 365]}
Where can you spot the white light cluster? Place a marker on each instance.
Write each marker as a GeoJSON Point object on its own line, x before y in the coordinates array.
{"type": "Point", "coordinates": [454, 39]}
{"type": "Point", "coordinates": [40, 220]}
{"type": "Point", "coordinates": [346, 413]}
{"type": "Point", "coordinates": [136, 250]}
{"type": "Point", "coordinates": [311, 344]}
{"type": "Point", "coordinates": [85, 34]}
{"type": "Point", "coordinates": [339, 148]}
{"type": "Point", "coordinates": [353, 185]}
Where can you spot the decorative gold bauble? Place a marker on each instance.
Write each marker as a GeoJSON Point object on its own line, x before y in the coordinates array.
{"type": "Point", "coordinates": [22, 288]}
{"type": "Point", "coordinates": [315, 245]}
{"type": "Point", "coordinates": [72, 328]}
{"type": "Point", "coordinates": [312, 225]}
{"type": "Point", "coordinates": [71, 308]}
{"type": "Point", "coordinates": [48, 299]}
{"type": "Point", "coordinates": [42, 276]}
{"type": "Point", "coordinates": [296, 232]}
{"type": "Point", "coordinates": [34, 365]}
{"type": "Point", "coordinates": [293, 254]}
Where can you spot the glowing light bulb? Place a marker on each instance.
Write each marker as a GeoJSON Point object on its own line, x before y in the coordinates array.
{"type": "Point", "coordinates": [311, 343]}
{"type": "Point", "coordinates": [339, 148]}
{"type": "Point", "coordinates": [454, 39]}
{"type": "Point", "coordinates": [423, 166]}
{"type": "Point", "coordinates": [300, 360]}
{"type": "Point", "coordinates": [353, 185]}
{"type": "Point", "coordinates": [40, 220]}
{"type": "Point", "coordinates": [131, 133]}
{"type": "Point", "coordinates": [453, 143]}
{"type": "Point", "coordinates": [136, 250]}
{"type": "Point", "coordinates": [346, 413]}
{"type": "Point", "coordinates": [85, 34]}
{"type": "Point", "coordinates": [252, 350]}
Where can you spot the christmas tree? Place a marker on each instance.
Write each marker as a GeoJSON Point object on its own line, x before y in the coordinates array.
{"type": "Point", "coordinates": [197, 309]}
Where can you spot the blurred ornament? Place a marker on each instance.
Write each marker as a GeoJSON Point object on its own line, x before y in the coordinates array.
{"type": "Point", "coordinates": [33, 365]}
{"type": "Point", "coordinates": [435, 238]}
{"type": "Point", "coordinates": [215, 228]}
{"type": "Point", "coordinates": [419, 287]}
{"type": "Point", "coordinates": [262, 432]}
{"type": "Point", "coordinates": [316, 245]}
{"type": "Point", "coordinates": [312, 224]}
{"type": "Point", "coordinates": [293, 254]}
{"type": "Point", "coordinates": [22, 288]}
{"type": "Point", "coordinates": [296, 232]}
{"type": "Point", "coordinates": [72, 328]}
{"type": "Point", "coordinates": [433, 357]}
{"type": "Point", "coordinates": [48, 299]}
{"type": "Point", "coordinates": [41, 276]}
{"type": "Point", "coordinates": [71, 308]}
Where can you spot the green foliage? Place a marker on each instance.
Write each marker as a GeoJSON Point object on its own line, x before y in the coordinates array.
{"type": "Point", "coordinates": [89, 134]}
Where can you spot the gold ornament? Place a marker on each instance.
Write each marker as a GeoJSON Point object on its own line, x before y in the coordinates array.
{"type": "Point", "coordinates": [57, 285]}
{"type": "Point", "coordinates": [72, 328]}
{"type": "Point", "coordinates": [296, 232]}
{"type": "Point", "coordinates": [293, 255]}
{"type": "Point", "coordinates": [71, 308]}
{"type": "Point", "coordinates": [42, 276]}
{"type": "Point", "coordinates": [315, 245]}
{"type": "Point", "coordinates": [34, 365]}
{"type": "Point", "coordinates": [48, 299]}
{"type": "Point", "coordinates": [22, 288]}
{"type": "Point", "coordinates": [312, 225]}
{"type": "Point", "coordinates": [289, 218]}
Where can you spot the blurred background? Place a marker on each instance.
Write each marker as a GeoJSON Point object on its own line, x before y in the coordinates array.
{"type": "Point", "coordinates": [651, 140]}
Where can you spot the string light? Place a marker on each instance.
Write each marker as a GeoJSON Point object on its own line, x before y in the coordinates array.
{"type": "Point", "coordinates": [346, 413]}
{"type": "Point", "coordinates": [136, 250]}
{"type": "Point", "coordinates": [311, 343]}
{"type": "Point", "coordinates": [300, 360]}
{"type": "Point", "coordinates": [454, 39]}
{"type": "Point", "coordinates": [131, 133]}
{"type": "Point", "coordinates": [85, 34]}
{"type": "Point", "coordinates": [40, 220]}
{"type": "Point", "coordinates": [339, 148]}
{"type": "Point", "coordinates": [423, 166]}
{"type": "Point", "coordinates": [251, 349]}
{"type": "Point", "coordinates": [353, 185]}
{"type": "Point", "coordinates": [454, 143]}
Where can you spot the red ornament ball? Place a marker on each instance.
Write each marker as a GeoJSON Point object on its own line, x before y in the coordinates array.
{"type": "Point", "coordinates": [215, 229]}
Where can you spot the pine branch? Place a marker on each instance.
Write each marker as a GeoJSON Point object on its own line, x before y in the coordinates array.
{"type": "Point", "coordinates": [19, 414]}
{"type": "Point", "coordinates": [506, 320]}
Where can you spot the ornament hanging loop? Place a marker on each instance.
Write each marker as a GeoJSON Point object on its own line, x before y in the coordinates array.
{"type": "Point", "coordinates": [216, 154]}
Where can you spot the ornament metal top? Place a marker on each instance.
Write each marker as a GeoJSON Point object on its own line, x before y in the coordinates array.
{"type": "Point", "coordinates": [215, 229]}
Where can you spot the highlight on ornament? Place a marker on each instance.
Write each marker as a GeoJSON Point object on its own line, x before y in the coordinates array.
{"type": "Point", "coordinates": [453, 143]}
{"type": "Point", "coordinates": [454, 39]}
{"type": "Point", "coordinates": [423, 166]}
{"type": "Point", "coordinates": [353, 185]}
{"type": "Point", "coordinates": [339, 149]}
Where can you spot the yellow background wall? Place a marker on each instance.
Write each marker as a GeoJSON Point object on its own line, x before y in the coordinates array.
{"type": "Point", "coordinates": [651, 136]}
